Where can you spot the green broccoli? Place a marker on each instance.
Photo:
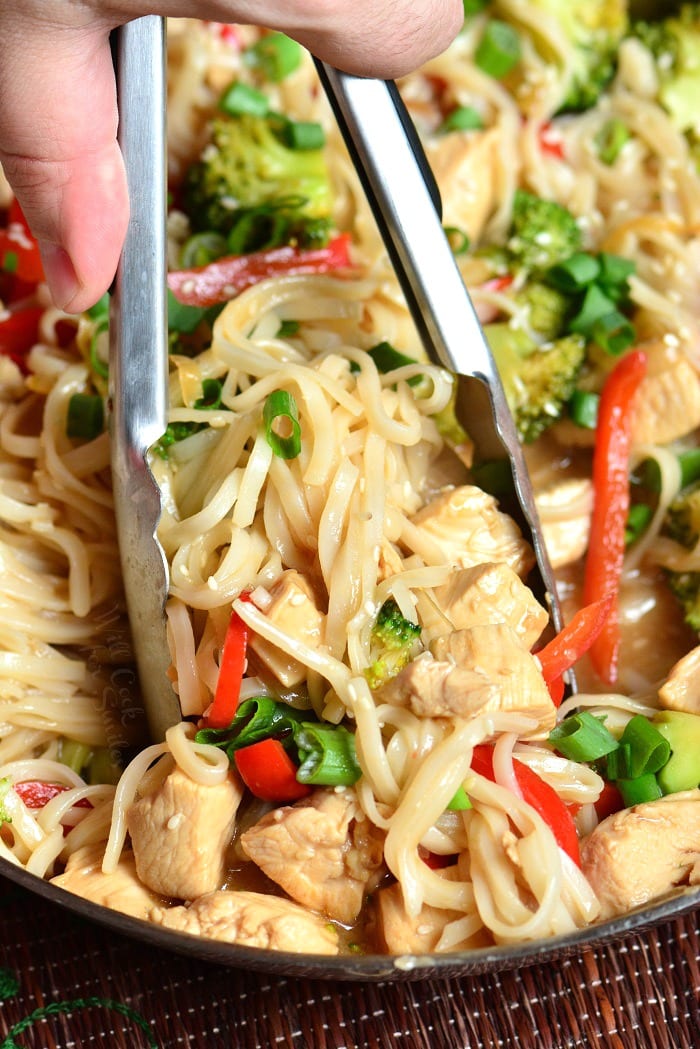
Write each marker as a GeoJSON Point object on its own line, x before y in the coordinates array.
{"type": "Point", "coordinates": [542, 233]}
{"type": "Point", "coordinates": [394, 641]}
{"type": "Point", "coordinates": [5, 785]}
{"type": "Point", "coordinates": [247, 172]}
{"type": "Point", "coordinates": [547, 308]}
{"type": "Point", "coordinates": [674, 42]}
{"type": "Point", "coordinates": [594, 29]}
{"type": "Point", "coordinates": [538, 380]}
{"type": "Point", "coordinates": [682, 524]}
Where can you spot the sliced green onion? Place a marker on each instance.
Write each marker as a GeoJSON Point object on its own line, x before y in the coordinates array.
{"type": "Point", "coordinates": [689, 462]}
{"type": "Point", "coordinates": [582, 737]}
{"type": "Point", "coordinates": [303, 135]}
{"type": "Point", "coordinates": [638, 518]}
{"type": "Point", "coordinates": [648, 749]}
{"type": "Point", "coordinates": [275, 55]}
{"type": "Point", "coordinates": [615, 270]}
{"type": "Point", "coordinates": [463, 118]}
{"type": "Point", "coordinates": [575, 273]}
{"type": "Point", "coordinates": [240, 99]}
{"type": "Point", "coordinates": [473, 7]}
{"type": "Point", "coordinates": [256, 719]}
{"type": "Point", "coordinates": [613, 332]}
{"type": "Point", "coordinates": [211, 394]}
{"type": "Point", "coordinates": [99, 348]}
{"type": "Point", "coordinates": [85, 419]}
{"type": "Point", "coordinates": [327, 754]}
{"type": "Point", "coordinates": [256, 229]}
{"type": "Point", "coordinates": [387, 359]}
{"type": "Point", "coordinates": [201, 249]}
{"type": "Point", "coordinates": [10, 262]}
{"type": "Point", "coordinates": [494, 476]}
{"type": "Point", "coordinates": [100, 309]}
{"type": "Point", "coordinates": [498, 50]}
{"type": "Point", "coordinates": [596, 304]}
{"type": "Point", "coordinates": [279, 414]}
{"type": "Point", "coordinates": [583, 408]}
{"type": "Point", "coordinates": [460, 801]}
{"type": "Point", "coordinates": [287, 329]}
{"type": "Point", "coordinates": [102, 767]}
{"type": "Point", "coordinates": [459, 240]}
{"type": "Point", "coordinates": [636, 791]}
{"type": "Point", "coordinates": [610, 140]}
{"type": "Point", "coordinates": [183, 318]}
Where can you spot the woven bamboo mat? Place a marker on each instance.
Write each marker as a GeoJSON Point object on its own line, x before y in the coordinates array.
{"type": "Point", "coordinates": [643, 991]}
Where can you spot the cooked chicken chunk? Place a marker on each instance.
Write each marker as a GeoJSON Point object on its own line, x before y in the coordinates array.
{"type": "Point", "coordinates": [465, 166]}
{"type": "Point", "coordinates": [667, 404]}
{"type": "Point", "coordinates": [180, 833]}
{"type": "Point", "coordinates": [120, 891]}
{"type": "Point", "coordinates": [404, 934]}
{"type": "Point", "coordinates": [466, 527]}
{"type": "Point", "coordinates": [253, 920]}
{"type": "Point", "coordinates": [565, 515]}
{"type": "Point", "coordinates": [472, 672]}
{"type": "Point", "coordinates": [322, 851]}
{"type": "Point", "coordinates": [681, 690]}
{"type": "Point", "coordinates": [488, 593]}
{"type": "Point", "coordinates": [293, 610]}
{"type": "Point", "coordinates": [639, 854]}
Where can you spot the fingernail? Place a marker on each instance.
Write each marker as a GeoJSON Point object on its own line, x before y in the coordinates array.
{"type": "Point", "coordinates": [60, 275]}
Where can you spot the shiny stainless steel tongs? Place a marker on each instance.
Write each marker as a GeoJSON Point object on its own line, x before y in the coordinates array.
{"type": "Point", "coordinates": [405, 201]}
{"type": "Point", "coordinates": [138, 365]}
{"type": "Point", "coordinates": [403, 196]}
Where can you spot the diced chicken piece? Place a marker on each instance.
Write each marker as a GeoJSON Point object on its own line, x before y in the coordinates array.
{"type": "Point", "coordinates": [389, 563]}
{"type": "Point", "coordinates": [667, 404]}
{"type": "Point", "coordinates": [405, 934]}
{"type": "Point", "coordinates": [474, 671]}
{"type": "Point", "coordinates": [641, 853]}
{"type": "Point", "coordinates": [465, 168]}
{"type": "Point", "coordinates": [681, 690]}
{"type": "Point", "coordinates": [293, 610]}
{"type": "Point", "coordinates": [120, 890]}
{"type": "Point", "coordinates": [322, 851]}
{"type": "Point", "coordinates": [489, 593]}
{"type": "Point", "coordinates": [565, 515]}
{"type": "Point", "coordinates": [469, 529]}
{"type": "Point", "coordinates": [180, 833]}
{"type": "Point", "coordinates": [253, 920]}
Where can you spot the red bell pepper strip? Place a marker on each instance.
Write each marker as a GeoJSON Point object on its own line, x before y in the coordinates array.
{"type": "Point", "coordinates": [551, 142]}
{"type": "Point", "coordinates": [19, 251]}
{"type": "Point", "coordinates": [610, 801]}
{"type": "Point", "coordinates": [543, 799]}
{"type": "Point", "coordinates": [225, 278]}
{"type": "Point", "coordinates": [35, 793]}
{"type": "Point", "coordinates": [18, 333]}
{"type": "Point", "coordinates": [606, 546]}
{"type": "Point", "coordinates": [269, 773]}
{"type": "Point", "coordinates": [231, 670]}
{"type": "Point", "coordinates": [563, 651]}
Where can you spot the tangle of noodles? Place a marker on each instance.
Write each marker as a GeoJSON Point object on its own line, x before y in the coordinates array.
{"type": "Point", "coordinates": [346, 525]}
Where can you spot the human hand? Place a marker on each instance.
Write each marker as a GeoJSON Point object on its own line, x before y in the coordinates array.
{"type": "Point", "coordinates": [58, 114]}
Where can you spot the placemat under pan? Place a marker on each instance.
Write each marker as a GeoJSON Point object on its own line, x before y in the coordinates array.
{"type": "Point", "coordinates": [642, 991]}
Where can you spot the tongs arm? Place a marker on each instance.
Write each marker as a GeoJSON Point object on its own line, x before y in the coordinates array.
{"type": "Point", "coordinates": [402, 194]}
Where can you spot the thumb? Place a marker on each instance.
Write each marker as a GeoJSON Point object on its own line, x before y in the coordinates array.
{"type": "Point", "coordinates": [58, 147]}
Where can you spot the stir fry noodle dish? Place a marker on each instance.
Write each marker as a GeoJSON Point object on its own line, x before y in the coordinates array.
{"type": "Point", "coordinates": [380, 749]}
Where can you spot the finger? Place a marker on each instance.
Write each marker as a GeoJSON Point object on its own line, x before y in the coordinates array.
{"type": "Point", "coordinates": [58, 148]}
{"type": "Point", "coordinates": [367, 37]}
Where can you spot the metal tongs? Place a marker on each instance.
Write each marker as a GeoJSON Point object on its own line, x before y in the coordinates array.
{"type": "Point", "coordinates": [405, 201]}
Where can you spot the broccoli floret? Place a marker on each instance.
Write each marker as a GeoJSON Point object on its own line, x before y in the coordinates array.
{"type": "Point", "coordinates": [674, 43]}
{"type": "Point", "coordinates": [538, 381]}
{"type": "Point", "coordinates": [247, 165]}
{"type": "Point", "coordinates": [393, 643]}
{"type": "Point", "coordinates": [5, 785]}
{"type": "Point", "coordinates": [594, 29]}
{"type": "Point", "coordinates": [542, 232]}
{"type": "Point", "coordinates": [547, 308]}
{"type": "Point", "coordinates": [682, 524]}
